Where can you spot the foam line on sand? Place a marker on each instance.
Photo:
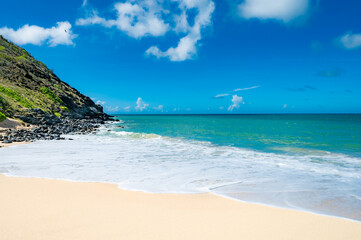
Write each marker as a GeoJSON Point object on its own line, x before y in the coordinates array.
{"type": "Point", "coordinates": [34, 208]}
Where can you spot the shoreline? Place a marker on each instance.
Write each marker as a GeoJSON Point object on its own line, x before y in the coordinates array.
{"type": "Point", "coordinates": [34, 208]}
{"type": "Point", "coordinates": [243, 201]}
{"type": "Point", "coordinates": [286, 208]}
{"type": "Point", "coordinates": [4, 145]}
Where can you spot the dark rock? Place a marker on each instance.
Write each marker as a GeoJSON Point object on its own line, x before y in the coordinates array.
{"type": "Point", "coordinates": [52, 130]}
{"type": "Point", "coordinates": [7, 141]}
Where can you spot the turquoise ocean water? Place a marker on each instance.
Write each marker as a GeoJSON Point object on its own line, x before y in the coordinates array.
{"type": "Point", "coordinates": [291, 134]}
{"type": "Point", "coordinates": [323, 151]}
{"type": "Point", "coordinates": [305, 162]}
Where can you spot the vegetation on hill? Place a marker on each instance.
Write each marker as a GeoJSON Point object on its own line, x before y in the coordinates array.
{"type": "Point", "coordinates": [2, 117]}
{"type": "Point", "coordinates": [27, 84]}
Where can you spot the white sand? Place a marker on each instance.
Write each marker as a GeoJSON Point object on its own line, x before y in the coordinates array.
{"type": "Point", "coordinates": [51, 209]}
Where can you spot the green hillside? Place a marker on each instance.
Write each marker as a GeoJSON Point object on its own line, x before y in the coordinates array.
{"type": "Point", "coordinates": [27, 84]}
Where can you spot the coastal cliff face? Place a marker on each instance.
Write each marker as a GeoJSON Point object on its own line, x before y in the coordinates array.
{"type": "Point", "coordinates": [33, 93]}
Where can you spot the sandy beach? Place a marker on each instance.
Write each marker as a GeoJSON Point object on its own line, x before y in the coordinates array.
{"type": "Point", "coordinates": [52, 209]}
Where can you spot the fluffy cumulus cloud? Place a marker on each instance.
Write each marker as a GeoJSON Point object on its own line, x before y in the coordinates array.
{"type": "Point", "coordinates": [112, 109]}
{"type": "Point", "coordinates": [60, 34]}
{"type": "Point", "coordinates": [187, 45]}
{"type": "Point", "coordinates": [351, 41]}
{"type": "Point", "coordinates": [283, 10]}
{"type": "Point", "coordinates": [159, 108]}
{"type": "Point", "coordinates": [141, 105]}
{"type": "Point", "coordinates": [186, 49]}
{"type": "Point", "coordinates": [236, 103]}
{"type": "Point", "coordinates": [154, 18]}
{"type": "Point", "coordinates": [137, 19]}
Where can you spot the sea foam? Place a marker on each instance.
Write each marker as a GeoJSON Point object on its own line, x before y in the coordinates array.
{"type": "Point", "coordinates": [318, 181]}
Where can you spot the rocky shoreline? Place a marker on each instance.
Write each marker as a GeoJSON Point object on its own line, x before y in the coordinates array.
{"type": "Point", "coordinates": [51, 132]}
{"type": "Point", "coordinates": [52, 129]}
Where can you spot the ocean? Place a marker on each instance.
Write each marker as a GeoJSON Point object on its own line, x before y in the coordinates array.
{"type": "Point", "coordinates": [305, 162]}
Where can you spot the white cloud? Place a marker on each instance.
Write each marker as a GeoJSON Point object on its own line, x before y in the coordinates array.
{"type": "Point", "coordinates": [32, 34]}
{"type": "Point", "coordinates": [181, 22]}
{"type": "Point", "coordinates": [100, 102]}
{"type": "Point", "coordinates": [221, 108]}
{"type": "Point", "coordinates": [236, 102]}
{"type": "Point", "coordinates": [107, 107]}
{"type": "Point", "coordinates": [186, 49]}
{"type": "Point", "coordinates": [351, 41]}
{"type": "Point", "coordinates": [136, 18]}
{"type": "Point", "coordinates": [141, 105]}
{"type": "Point", "coordinates": [235, 90]}
{"type": "Point", "coordinates": [244, 89]}
{"type": "Point", "coordinates": [159, 108]}
{"type": "Point", "coordinates": [284, 105]}
{"type": "Point", "coordinates": [284, 10]}
{"type": "Point", "coordinates": [84, 3]}
{"type": "Point", "coordinates": [157, 17]}
{"type": "Point", "coordinates": [112, 109]}
{"type": "Point", "coordinates": [94, 19]}
{"type": "Point", "coordinates": [221, 95]}
{"type": "Point", "coordinates": [187, 46]}
{"type": "Point", "coordinates": [127, 108]}
{"type": "Point", "coordinates": [176, 109]}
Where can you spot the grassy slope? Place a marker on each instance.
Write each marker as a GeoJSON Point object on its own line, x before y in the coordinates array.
{"type": "Point", "coordinates": [2, 117]}
{"type": "Point", "coordinates": [28, 83]}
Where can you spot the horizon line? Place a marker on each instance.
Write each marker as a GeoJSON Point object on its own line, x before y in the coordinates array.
{"type": "Point", "coordinates": [235, 114]}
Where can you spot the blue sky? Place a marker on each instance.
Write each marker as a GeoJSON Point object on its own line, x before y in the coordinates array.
{"type": "Point", "coordinates": [189, 56]}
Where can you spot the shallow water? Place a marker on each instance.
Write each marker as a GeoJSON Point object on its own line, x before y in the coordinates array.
{"type": "Point", "coordinates": [189, 154]}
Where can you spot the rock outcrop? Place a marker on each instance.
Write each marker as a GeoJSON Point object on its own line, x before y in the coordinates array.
{"type": "Point", "coordinates": [33, 93]}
